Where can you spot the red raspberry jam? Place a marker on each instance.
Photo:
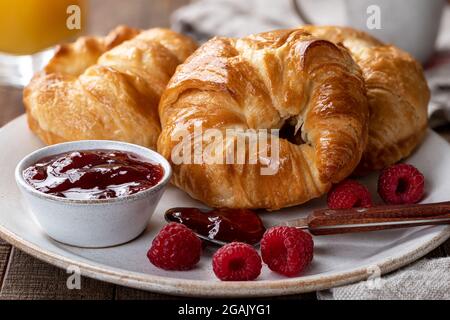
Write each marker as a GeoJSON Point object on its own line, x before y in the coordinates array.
{"type": "Point", "coordinates": [224, 224]}
{"type": "Point", "coordinates": [93, 174]}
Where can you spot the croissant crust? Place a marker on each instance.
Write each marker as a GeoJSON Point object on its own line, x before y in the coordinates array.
{"type": "Point", "coordinates": [397, 91]}
{"type": "Point", "coordinates": [105, 88]}
{"type": "Point", "coordinates": [267, 81]}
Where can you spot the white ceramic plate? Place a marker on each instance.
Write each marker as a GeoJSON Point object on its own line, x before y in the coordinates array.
{"type": "Point", "coordinates": [338, 259]}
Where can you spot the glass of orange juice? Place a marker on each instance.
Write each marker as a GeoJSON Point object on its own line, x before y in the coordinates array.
{"type": "Point", "coordinates": [28, 31]}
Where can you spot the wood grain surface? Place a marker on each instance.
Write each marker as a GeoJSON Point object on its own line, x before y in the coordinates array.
{"type": "Point", "coordinates": [24, 277]}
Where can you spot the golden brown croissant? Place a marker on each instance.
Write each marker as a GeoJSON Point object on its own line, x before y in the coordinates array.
{"type": "Point", "coordinates": [397, 92]}
{"type": "Point", "coordinates": [106, 88]}
{"type": "Point", "coordinates": [288, 80]}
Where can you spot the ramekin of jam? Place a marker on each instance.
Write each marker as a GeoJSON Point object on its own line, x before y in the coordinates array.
{"type": "Point", "coordinates": [93, 193]}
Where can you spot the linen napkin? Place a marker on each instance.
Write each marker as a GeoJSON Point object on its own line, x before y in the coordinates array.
{"type": "Point", "coordinates": [232, 18]}
{"type": "Point", "coordinates": [423, 280]}
{"type": "Point", "coordinates": [438, 77]}
{"type": "Point", "coordinates": [426, 279]}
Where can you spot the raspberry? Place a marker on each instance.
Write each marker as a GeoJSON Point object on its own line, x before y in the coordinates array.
{"type": "Point", "coordinates": [401, 184]}
{"type": "Point", "coordinates": [237, 261]}
{"type": "Point", "coordinates": [287, 250]}
{"type": "Point", "coordinates": [175, 247]}
{"type": "Point", "coordinates": [349, 194]}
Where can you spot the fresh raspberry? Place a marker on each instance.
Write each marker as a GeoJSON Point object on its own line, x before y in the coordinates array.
{"type": "Point", "coordinates": [401, 184]}
{"type": "Point", "coordinates": [349, 194]}
{"type": "Point", "coordinates": [175, 247]}
{"type": "Point", "coordinates": [287, 250]}
{"type": "Point", "coordinates": [237, 261]}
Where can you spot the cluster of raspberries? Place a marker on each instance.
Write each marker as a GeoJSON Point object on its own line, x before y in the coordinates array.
{"type": "Point", "coordinates": [398, 184]}
{"type": "Point", "coordinates": [285, 250]}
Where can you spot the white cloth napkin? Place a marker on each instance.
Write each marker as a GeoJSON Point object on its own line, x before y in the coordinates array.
{"type": "Point", "coordinates": [423, 280]}
{"type": "Point", "coordinates": [426, 279]}
{"type": "Point", "coordinates": [438, 78]}
{"type": "Point", "coordinates": [233, 18]}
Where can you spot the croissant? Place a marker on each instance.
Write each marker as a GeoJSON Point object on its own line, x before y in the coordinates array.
{"type": "Point", "coordinates": [308, 88]}
{"type": "Point", "coordinates": [397, 92]}
{"type": "Point", "coordinates": [105, 88]}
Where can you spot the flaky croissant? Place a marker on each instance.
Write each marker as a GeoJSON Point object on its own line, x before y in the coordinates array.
{"type": "Point", "coordinates": [106, 88]}
{"type": "Point", "coordinates": [397, 93]}
{"type": "Point", "coordinates": [309, 88]}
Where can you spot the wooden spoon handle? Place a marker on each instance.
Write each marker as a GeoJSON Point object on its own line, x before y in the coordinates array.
{"type": "Point", "coordinates": [329, 221]}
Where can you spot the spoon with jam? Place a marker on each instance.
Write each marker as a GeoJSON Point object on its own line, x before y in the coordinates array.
{"type": "Point", "coordinates": [221, 226]}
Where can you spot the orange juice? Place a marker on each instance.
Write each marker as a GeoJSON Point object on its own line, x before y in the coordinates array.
{"type": "Point", "coordinates": [29, 26]}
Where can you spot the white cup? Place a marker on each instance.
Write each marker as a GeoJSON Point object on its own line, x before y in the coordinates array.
{"type": "Point", "coordinates": [412, 25]}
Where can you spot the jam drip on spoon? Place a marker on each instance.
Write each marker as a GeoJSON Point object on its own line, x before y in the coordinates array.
{"type": "Point", "coordinates": [223, 224]}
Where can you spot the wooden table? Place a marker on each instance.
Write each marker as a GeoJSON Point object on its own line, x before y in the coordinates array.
{"type": "Point", "coordinates": [24, 277]}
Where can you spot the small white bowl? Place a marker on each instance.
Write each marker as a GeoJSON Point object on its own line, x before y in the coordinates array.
{"type": "Point", "coordinates": [93, 223]}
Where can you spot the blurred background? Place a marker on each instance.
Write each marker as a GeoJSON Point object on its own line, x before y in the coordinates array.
{"type": "Point", "coordinates": [32, 28]}
{"type": "Point", "coordinates": [206, 18]}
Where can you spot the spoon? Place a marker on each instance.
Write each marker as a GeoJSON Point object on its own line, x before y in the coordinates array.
{"type": "Point", "coordinates": [341, 221]}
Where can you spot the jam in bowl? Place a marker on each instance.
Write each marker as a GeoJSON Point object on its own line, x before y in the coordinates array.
{"type": "Point", "coordinates": [93, 174]}
{"type": "Point", "coordinates": [93, 193]}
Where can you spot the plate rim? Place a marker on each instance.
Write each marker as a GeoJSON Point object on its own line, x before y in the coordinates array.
{"type": "Point", "coordinates": [207, 288]}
